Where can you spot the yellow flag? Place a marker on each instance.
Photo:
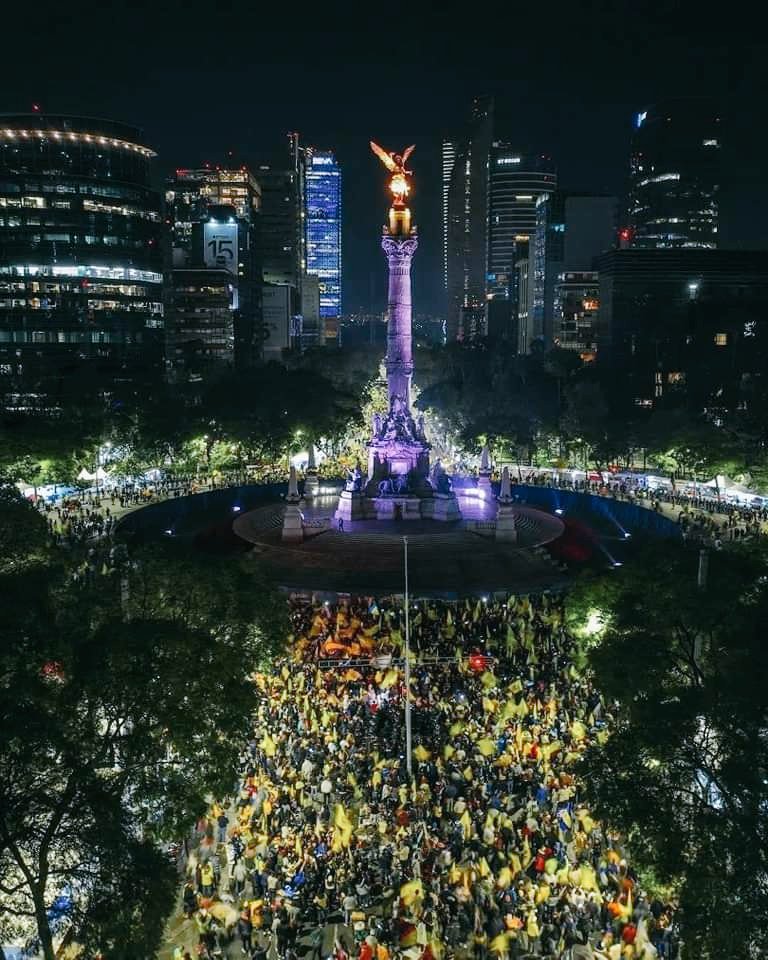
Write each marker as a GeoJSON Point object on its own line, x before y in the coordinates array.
{"type": "Point", "coordinates": [504, 878]}
{"type": "Point", "coordinates": [488, 679]}
{"type": "Point", "coordinates": [411, 891]}
{"type": "Point", "coordinates": [342, 828]}
{"type": "Point", "coordinates": [499, 944]}
{"type": "Point", "coordinates": [421, 753]}
{"type": "Point", "coordinates": [466, 824]}
{"type": "Point", "coordinates": [578, 730]}
{"type": "Point", "coordinates": [389, 679]}
{"type": "Point", "coordinates": [482, 867]}
{"type": "Point", "coordinates": [268, 745]}
{"type": "Point", "coordinates": [486, 747]}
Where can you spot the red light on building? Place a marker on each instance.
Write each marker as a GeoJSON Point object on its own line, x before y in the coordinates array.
{"type": "Point", "coordinates": [625, 237]}
{"type": "Point", "coordinates": [36, 108]}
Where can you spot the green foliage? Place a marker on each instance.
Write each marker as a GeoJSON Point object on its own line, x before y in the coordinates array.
{"type": "Point", "coordinates": [683, 774]}
{"type": "Point", "coordinates": [23, 531]}
{"type": "Point", "coordinates": [121, 705]}
{"type": "Point", "coordinates": [484, 392]}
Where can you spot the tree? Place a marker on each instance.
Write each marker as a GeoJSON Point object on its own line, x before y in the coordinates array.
{"type": "Point", "coordinates": [683, 774]}
{"type": "Point", "coordinates": [484, 392]}
{"type": "Point", "coordinates": [23, 531]}
{"type": "Point", "coordinates": [121, 705]}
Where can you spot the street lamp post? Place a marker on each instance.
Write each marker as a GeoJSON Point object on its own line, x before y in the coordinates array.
{"type": "Point", "coordinates": [408, 738]}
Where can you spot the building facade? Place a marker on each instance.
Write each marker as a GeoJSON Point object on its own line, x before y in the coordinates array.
{"type": "Point", "coordinates": [467, 224]}
{"type": "Point", "coordinates": [684, 317]}
{"type": "Point", "coordinates": [577, 301]}
{"type": "Point", "coordinates": [448, 158]}
{"type": "Point", "coordinates": [675, 175]}
{"type": "Point", "coordinates": [200, 335]}
{"type": "Point", "coordinates": [572, 230]}
{"type": "Point", "coordinates": [323, 228]}
{"type": "Point", "coordinates": [213, 215]}
{"type": "Point", "coordinates": [81, 258]}
{"type": "Point", "coordinates": [516, 183]}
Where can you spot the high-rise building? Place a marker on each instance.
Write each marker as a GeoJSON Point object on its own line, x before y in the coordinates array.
{"type": "Point", "coordinates": [81, 260]}
{"type": "Point", "coordinates": [448, 160]}
{"type": "Point", "coordinates": [282, 231]}
{"type": "Point", "coordinates": [516, 181]}
{"type": "Point", "coordinates": [675, 175]}
{"type": "Point", "coordinates": [323, 227]}
{"type": "Point", "coordinates": [524, 299]}
{"type": "Point", "coordinates": [467, 227]}
{"type": "Point", "coordinates": [213, 214]}
{"type": "Point", "coordinates": [571, 231]}
{"type": "Point", "coordinates": [684, 318]}
{"type": "Point", "coordinates": [200, 334]}
{"type": "Point", "coordinates": [282, 321]}
{"type": "Point", "coordinates": [577, 301]}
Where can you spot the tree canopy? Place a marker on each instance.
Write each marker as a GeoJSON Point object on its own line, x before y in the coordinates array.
{"type": "Point", "coordinates": [683, 774]}
{"type": "Point", "coordinates": [121, 705]}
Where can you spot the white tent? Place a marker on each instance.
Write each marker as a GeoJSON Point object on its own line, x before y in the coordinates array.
{"type": "Point", "coordinates": [726, 486]}
{"type": "Point", "coordinates": [101, 474]}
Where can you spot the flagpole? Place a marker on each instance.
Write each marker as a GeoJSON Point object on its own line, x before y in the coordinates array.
{"type": "Point", "coordinates": [408, 743]}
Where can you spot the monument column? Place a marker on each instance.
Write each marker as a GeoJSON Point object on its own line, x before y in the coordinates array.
{"type": "Point", "coordinates": [399, 361]}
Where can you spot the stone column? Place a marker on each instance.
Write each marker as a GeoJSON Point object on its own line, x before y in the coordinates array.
{"type": "Point", "coordinates": [293, 521]}
{"type": "Point", "coordinates": [505, 514]}
{"type": "Point", "coordinates": [399, 360]}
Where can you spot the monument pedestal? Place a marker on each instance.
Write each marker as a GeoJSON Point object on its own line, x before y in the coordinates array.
{"type": "Point", "coordinates": [505, 523]}
{"type": "Point", "coordinates": [351, 506]}
{"type": "Point", "coordinates": [398, 508]}
{"type": "Point", "coordinates": [441, 506]}
{"type": "Point", "coordinates": [484, 482]}
{"type": "Point", "coordinates": [311, 483]}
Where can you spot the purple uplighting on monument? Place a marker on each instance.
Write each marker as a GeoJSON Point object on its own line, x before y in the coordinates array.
{"type": "Point", "coordinates": [399, 361]}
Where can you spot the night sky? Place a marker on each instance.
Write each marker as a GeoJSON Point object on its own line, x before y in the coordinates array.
{"type": "Point", "coordinates": [204, 79]}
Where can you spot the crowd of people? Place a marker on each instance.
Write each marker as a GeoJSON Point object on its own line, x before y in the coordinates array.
{"type": "Point", "coordinates": [329, 848]}
{"type": "Point", "coordinates": [702, 515]}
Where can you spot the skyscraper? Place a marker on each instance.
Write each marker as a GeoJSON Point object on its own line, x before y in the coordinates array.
{"type": "Point", "coordinates": [516, 181]}
{"type": "Point", "coordinates": [675, 175]}
{"type": "Point", "coordinates": [282, 233]}
{"type": "Point", "coordinates": [467, 228]}
{"type": "Point", "coordinates": [572, 230]}
{"type": "Point", "coordinates": [81, 264]}
{"type": "Point", "coordinates": [448, 160]}
{"type": "Point", "coordinates": [323, 227]}
{"type": "Point", "coordinates": [213, 214]}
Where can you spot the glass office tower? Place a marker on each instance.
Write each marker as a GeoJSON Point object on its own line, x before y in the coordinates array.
{"type": "Point", "coordinates": [323, 227]}
{"type": "Point", "coordinates": [675, 175]}
{"type": "Point", "coordinates": [81, 264]}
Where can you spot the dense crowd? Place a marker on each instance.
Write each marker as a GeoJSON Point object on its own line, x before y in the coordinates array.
{"type": "Point", "coordinates": [701, 515]}
{"type": "Point", "coordinates": [329, 849]}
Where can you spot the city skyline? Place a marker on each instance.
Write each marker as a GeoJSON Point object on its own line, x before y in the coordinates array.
{"type": "Point", "coordinates": [581, 113]}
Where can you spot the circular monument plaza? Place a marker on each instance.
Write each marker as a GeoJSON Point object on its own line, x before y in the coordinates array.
{"type": "Point", "coordinates": [446, 558]}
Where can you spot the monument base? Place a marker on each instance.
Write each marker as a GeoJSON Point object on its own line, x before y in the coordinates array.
{"type": "Point", "coordinates": [397, 508]}
{"type": "Point", "coordinates": [311, 483]}
{"type": "Point", "coordinates": [293, 524]}
{"type": "Point", "coordinates": [351, 506]}
{"type": "Point", "coordinates": [441, 506]}
{"type": "Point", "coordinates": [506, 529]}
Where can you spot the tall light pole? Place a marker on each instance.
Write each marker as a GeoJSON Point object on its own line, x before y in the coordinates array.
{"type": "Point", "coordinates": [408, 743]}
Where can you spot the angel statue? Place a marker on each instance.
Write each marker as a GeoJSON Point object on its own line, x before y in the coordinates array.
{"type": "Point", "coordinates": [395, 163]}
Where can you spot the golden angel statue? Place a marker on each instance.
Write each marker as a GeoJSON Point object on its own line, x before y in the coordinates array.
{"type": "Point", "coordinates": [395, 163]}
